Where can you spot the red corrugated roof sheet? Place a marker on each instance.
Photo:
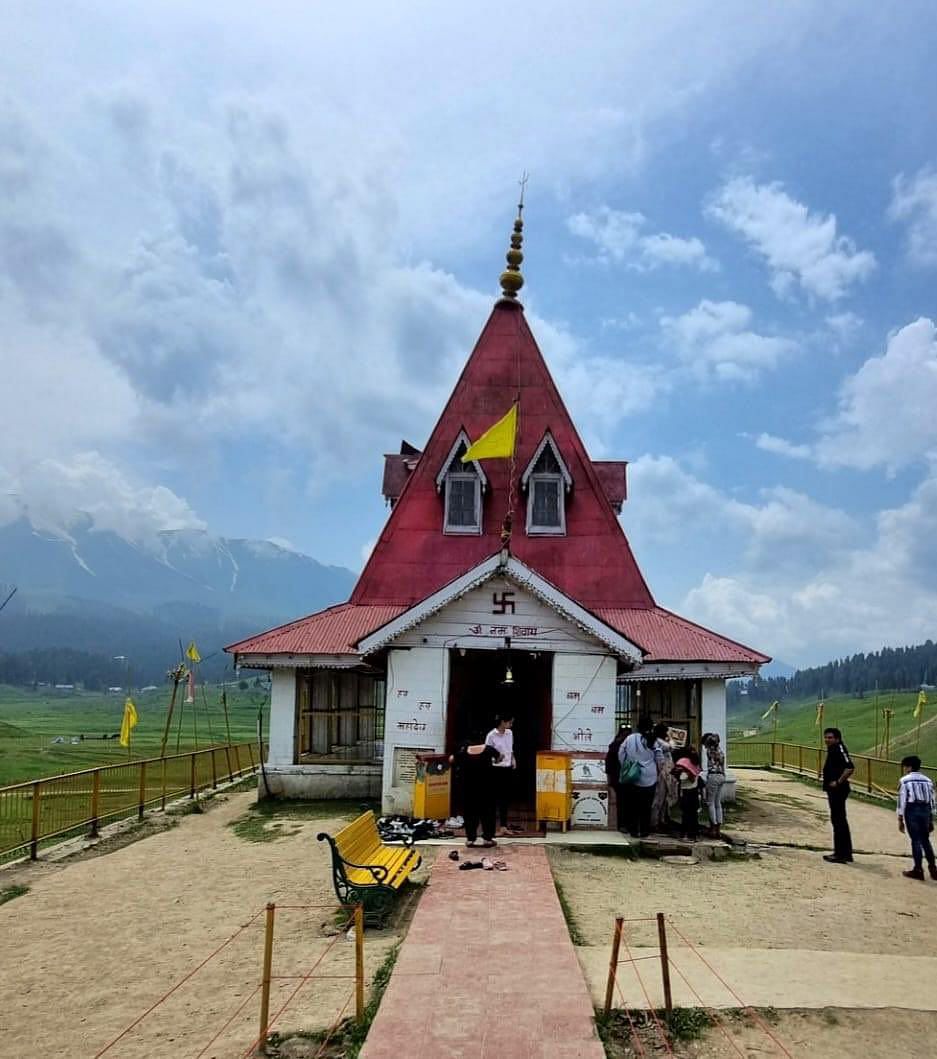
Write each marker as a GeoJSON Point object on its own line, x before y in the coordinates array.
{"type": "Point", "coordinates": [666, 637]}
{"type": "Point", "coordinates": [334, 631]}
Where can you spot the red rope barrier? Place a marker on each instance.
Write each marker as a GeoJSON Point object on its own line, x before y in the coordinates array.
{"type": "Point", "coordinates": [181, 982]}
{"type": "Point", "coordinates": [334, 1026]}
{"type": "Point", "coordinates": [303, 980]}
{"type": "Point", "coordinates": [709, 1011]}
{"type": "Point", "coordinates": [634, 1032]}
{"type": "Point", "coordinates": [745, 1007]}
{"type": "Point", "coordinates": [237, 1012]}
{"type": "Point", "coordinates": [660, 1029]}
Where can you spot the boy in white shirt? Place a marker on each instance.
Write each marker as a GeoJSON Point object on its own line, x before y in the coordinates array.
{"type": "Point", "coordinates": [502, 771]}
{"type": "Point", "coordinates": [916, 816]}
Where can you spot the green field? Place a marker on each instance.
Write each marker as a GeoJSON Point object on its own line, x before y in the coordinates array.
{"type": "Point", "coordinates": [854, 716]}
{"type": "Point", "coordinates": [31, 720]}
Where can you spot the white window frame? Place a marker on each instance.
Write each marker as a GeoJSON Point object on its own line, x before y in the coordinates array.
{"type": "Point", "coordinates": [473, 472]}
{"type": "Point", "coordinates": [564, 481]}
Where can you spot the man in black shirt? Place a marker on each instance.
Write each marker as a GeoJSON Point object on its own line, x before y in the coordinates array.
{"type": "Point", "coordinates": [837, 769]}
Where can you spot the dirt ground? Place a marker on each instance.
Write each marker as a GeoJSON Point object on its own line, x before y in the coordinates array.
{"type": "Point", "coordinates": [99, 939]}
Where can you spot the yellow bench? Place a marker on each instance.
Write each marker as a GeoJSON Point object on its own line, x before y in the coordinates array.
{"type": "Point", "coordinates": [367, 870]}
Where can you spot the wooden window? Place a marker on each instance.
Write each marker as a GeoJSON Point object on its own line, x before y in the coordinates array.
{"type": "Point", "coordinates": [546, 496]}
{"type": "Point", "coordinates": [463, 496]}
{"type": "Point", "coordinates": [341, 716]}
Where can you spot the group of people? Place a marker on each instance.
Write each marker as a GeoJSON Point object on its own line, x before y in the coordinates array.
{"type": "Point", "coordinates": [916, 806]}
{"type": "Point", "coordinates": [487, 768]}
{"type": "Point", "coordinates": [651, 777]}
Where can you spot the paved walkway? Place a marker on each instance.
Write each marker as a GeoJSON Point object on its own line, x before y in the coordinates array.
{"type": "Point", "coordinates": [487, 969]}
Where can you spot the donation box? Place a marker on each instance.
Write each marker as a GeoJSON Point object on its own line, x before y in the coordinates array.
{"type": "Point", "coordinates": [554, 787]}
{"type": "Point", "coordinates": [431, 787]}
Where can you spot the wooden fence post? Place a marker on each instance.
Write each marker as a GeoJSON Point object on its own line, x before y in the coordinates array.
{"type": "Point", "coordinates": [800, 758]}
{"type": "Point", "coordinates": [265, 980]}
{"type": "Point", "coordinates": [214, 771]}
{"type": "Point", "coordinates": [359, 961]}
{"type": "Point", "coordinates": [868, 774]}
{"type": "Point", "coordinates": [250, 754]}
{"type": "Point", "coordinates": [192, 777]}
{"type": "Point", "coordinates": [95, 801]}
{"type": "Point", "coordinates": [141, 800]}
{"type": "Point", "coordinates": [237, 760]}
{"type": "Point", "coordinates": [162, 800]}
{"type": "Point", "coordinates": [37, 809]}
{"type": "Point", "coordinates": [613, 964]}
{"type": "Point", "coordinates": [227, 758]}
{"type": "Point", "coordinates": [664, 963]}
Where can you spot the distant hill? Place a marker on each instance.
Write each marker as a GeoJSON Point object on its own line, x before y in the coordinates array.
{"type": "Point", "coordinates": [95, 591]}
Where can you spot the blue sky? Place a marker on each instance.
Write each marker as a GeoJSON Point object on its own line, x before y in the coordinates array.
{"type": "Point", "coordinates": [243, 252]}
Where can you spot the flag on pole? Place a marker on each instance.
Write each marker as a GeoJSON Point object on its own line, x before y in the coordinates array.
{"type": "Point", "coordinates": [129, 722]}
{"type": "Point", "coordinates": [190, 688]}
{"type": "Point", "coordinates": [921, 703]}
{"type": "Point", "coordinates": [773, 708]}
{"type": "Point", "coordinates": [820, 708]}
{"type": "Point", "coordinates": [498, 440]}
{"type": "Point", "coordinates": [191, 652]}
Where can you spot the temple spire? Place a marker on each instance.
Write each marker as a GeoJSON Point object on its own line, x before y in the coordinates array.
{"type": "Point", "coordinates": [511, 278]}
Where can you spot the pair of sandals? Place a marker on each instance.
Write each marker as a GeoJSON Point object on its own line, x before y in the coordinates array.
{"type": "Point", "coordinates": [486, 863]}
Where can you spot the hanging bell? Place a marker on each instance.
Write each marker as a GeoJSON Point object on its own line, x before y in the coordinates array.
{"type": "Point", "coordinates": [508, 676]}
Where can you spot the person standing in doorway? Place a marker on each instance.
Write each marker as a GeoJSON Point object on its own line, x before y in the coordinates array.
{"type": "Point", "coordinates": [715, 782]}
{"type": "Point", "coordinates": [663, 791]}
{"type": "Point", "coordinates": [837, 769]}
{"type": "Point", "coordinates": [501, 738]}
{"type": "Point", "coordinates": [475, 761]}
{"type": "Point", "coordinates": [916, 816]}
{"type": "Point", "coordinates": [613, 774]}
{"type": "Point", "coordinates": [638, 751]}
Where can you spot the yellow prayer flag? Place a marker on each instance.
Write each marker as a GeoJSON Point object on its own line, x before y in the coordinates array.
{"type": "Point", "coordinates": [129, 722]}
{"type": "Point", "coordinates": [191, 652]}
{"type": "Point", "coordinates": [819, 720]}
{"type": "Point", "coordinates": [921, 703]}
{"type": "Point", "coordinates": [498, 440]}
{"type": "Point", "coordinates": [771, 709]}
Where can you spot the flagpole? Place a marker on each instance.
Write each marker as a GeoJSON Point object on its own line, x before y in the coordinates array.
{"type": "Point", "coordinates": [875, 711]}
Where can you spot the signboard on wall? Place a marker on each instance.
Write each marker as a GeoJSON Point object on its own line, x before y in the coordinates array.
{"type": "Point", "coordinates": [590, 809]}
{"type": "Point", "coordinates": [404, 772]}
{"type": "Point", "coordinates": [589, 770]}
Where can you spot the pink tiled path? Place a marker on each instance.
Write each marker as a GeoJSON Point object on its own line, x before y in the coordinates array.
{"type": "Point", "coordinates": [487, 970]}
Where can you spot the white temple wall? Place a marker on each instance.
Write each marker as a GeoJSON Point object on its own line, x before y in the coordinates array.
{"type": "Point", "coordinates": [583, 701]}
{"type": "Point", "coordinates": [414, 718]}
{"type": "Point", "coordinates": [282, 717]}
{"type": "Point", "coordinates": [713, 709]}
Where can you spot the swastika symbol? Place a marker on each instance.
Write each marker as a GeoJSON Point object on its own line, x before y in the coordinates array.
{"type": "Point", "coordinates": [502, 604]}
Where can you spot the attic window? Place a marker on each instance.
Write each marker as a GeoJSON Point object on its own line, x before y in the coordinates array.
{"type": "Point", "coordinates": [547, 481]}
{"type": "Point", "coordinates": [462, 485]}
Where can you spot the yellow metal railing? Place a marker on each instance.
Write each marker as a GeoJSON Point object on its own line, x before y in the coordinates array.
{"type": "Point", "coordinates": [874, 775]}
{"type": "Point", "coordinates": [33, 813]}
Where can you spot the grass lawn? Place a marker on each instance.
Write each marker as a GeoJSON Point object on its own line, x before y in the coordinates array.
{"type": "Point", "coordinates": [30, 721]}
{"type": "Point", "coordinates": [856, 718]}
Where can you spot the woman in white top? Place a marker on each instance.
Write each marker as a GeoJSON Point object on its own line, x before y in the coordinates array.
{"type": "Point", "coordinates": [501, 737]}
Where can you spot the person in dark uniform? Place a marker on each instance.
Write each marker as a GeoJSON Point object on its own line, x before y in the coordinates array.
{"type": "Point", "coordinates": [475, 761]}
{"type": "Point", "coordinates": [613, 772]}
{"type": "Point", "coordinates": [837, 769]}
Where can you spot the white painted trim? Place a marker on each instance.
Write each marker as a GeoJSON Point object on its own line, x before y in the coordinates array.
{"type": "Point", "coordinates": [548, 439]}
{"type": "Point", "coordinates": [524, 577]}
{"type": "Point", "coordinates": [285, 661]}
{"type": "Point", "coordinates": [463, 438]}
{"type": "Point", "coordinates": [689, 671]}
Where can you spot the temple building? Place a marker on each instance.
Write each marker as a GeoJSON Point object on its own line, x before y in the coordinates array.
{"type": "Point", "coordinates": [495, 584]}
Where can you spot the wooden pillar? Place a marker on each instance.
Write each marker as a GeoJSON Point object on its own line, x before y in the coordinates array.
{"type": "Point", "coordinates": [141, 797]}
{"type": "Point", "coordinates": [265, 979]}
{"type": "Point", "coordinates": [95, 801]}
{"type": "Point", "coordinates": [37, 816]}
{"type": "Point", "coordinates": [664, 962]}
{"type": "Point", "coordinates": [613, 964]}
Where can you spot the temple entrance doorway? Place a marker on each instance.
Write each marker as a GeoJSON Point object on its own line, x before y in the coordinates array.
{"type": "Point", "coordinates": [479, 692]}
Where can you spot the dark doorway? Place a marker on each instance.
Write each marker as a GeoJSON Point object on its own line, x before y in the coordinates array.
{"type": "Point", "coordinates": [478, 693]}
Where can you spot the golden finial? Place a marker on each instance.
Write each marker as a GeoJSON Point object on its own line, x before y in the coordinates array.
{"type": "Point", "coordinates": [511, 278]}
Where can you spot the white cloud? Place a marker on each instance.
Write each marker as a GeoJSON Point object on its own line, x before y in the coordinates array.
{"type": "Point", "coordinates": [782, 447]}
{"type": "Point", "coordinates": [886, 416]}
{"type": "Point", "coordinates": [844, 327]}
{"type": "Point", "coordinates": [798, 246]}
{"type": "Point", "coordinates": [915, 202]}
{"type": "Point", "coordinates": [716, 341]}
{"type": "Point", "coordinates": [617, 237]}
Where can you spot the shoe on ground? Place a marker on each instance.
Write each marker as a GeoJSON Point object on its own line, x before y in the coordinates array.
{"type": "Point", "coordinates": [914, 873]}
{"type": "Point", "coordinates": [470, 843]}
{"type": "Point", "coordinates": [831, 858]}
{"type": "Point", "coordinates": [932, 869]}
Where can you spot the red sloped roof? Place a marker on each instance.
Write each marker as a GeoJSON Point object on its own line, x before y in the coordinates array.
{"type": "Point", "coordinates": [334, 631]}
{"type": "Point", "coordinates": [666, 637]}
{"type": "Point", "coordinates": [592, 563]}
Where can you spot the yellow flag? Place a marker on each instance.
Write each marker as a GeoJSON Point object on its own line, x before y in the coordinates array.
{"type": "Point", "coordinates": [921, 703]}
{"type": "Point", "coordinates": [129, 722]}
{"type": "Point", "coordinates": [819, 720]}
{"type": "Point", "coordinates": [497, 440]}
{"type": "Point", "coordinates": [771, 709]}
{"type": "Point", "coordinates": [191, 652]}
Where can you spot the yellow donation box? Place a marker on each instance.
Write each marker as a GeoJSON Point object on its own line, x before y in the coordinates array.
{"type": "Point", "coordinates": [431, 787]}
{"type": "Point", "coordinates": [554, 787]}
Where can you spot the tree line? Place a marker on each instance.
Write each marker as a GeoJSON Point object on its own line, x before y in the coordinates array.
{"type": "Point", "coordinates": [890, 669]}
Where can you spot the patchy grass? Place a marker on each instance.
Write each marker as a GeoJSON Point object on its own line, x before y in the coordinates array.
{"type": "Point", "coordinates": [8, 893]}
{"type": "Point", "coordinates": [575, 934]}
{"type": "Point", "coordinates": [272, 818]}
